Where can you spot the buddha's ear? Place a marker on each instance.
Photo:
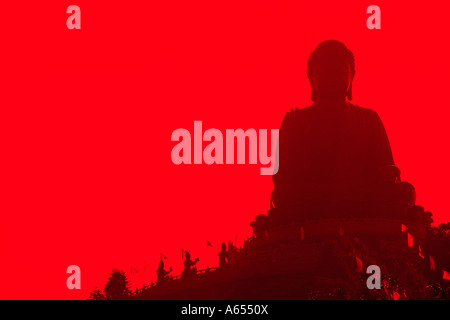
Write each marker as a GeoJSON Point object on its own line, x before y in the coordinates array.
{"type": "Point", "coordinates": [349, 92]}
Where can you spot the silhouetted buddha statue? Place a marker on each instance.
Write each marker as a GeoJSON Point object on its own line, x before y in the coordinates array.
{"type": "Point", "coordinates": [331, 151]}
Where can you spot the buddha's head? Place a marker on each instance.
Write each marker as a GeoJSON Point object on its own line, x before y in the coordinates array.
{"type": "Point", "coordinates": [331, 69]}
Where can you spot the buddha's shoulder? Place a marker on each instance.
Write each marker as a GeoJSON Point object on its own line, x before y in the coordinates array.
{"type": "Point", "coordinates": [298, 112]}
{"type": "Point", "coordinates": [294, 117]}
{"type": "Point", "coordinates": [363, 112]}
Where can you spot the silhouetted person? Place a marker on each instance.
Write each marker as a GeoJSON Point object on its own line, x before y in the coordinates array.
{"type": "Point", "coordinates": [189, 264]}
{"type": "Point", "coordinates": [223, 255]}
{"type": "Point", "coordinates": [329, 152]}
{"type": "Point", "coordinates": [162, 274]}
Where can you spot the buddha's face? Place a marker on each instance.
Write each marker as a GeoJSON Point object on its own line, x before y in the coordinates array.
{"type": "Point", "coordinates": [332, 79]}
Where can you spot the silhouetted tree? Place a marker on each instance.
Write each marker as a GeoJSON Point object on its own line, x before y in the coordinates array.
{"type": "Point", "coordinates": [445, 228]}
{"type": "Point", "coordinates": [96, 294]}
{"type": "Point", "coordinates": [117, 286]}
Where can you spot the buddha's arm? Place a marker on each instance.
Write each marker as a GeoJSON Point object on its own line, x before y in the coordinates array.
{"type": "Point", "coordinates": [383, 152]}
{"type": "Point", "coordinates": [283, 151]}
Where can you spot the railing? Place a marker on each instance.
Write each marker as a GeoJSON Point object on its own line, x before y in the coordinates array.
{"type": "Point", "coordinates": [170, 279]}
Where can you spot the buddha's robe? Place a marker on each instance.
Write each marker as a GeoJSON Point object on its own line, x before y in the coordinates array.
{"type": "Point", "coordinates": [329, 155]}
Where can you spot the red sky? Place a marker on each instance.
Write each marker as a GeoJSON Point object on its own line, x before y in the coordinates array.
{"type": "Point", "coordinates": [86, 117]}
